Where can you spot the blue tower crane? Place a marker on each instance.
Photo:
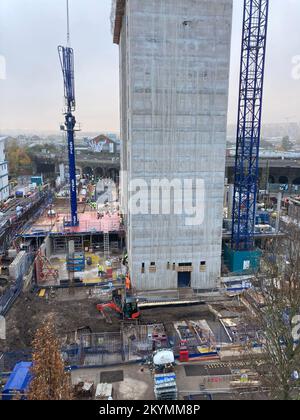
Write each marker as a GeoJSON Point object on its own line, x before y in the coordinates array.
{"type": "Point", "coordinates": [255, 25]}
{"type": "Point", "coordinates": [241, 255]}
{"type": "Point", "coordinates": [66, 56]}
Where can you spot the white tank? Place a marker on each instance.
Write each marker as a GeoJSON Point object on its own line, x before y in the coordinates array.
{"type": "Point", "coordinates": [163, 357]}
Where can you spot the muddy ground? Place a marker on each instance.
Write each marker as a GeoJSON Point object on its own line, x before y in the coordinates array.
{"type": "Point", "coordinates": [30, 311]}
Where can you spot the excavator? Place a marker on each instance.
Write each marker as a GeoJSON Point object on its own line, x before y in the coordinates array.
{"type": "Point", "coordinates": [126, 306]}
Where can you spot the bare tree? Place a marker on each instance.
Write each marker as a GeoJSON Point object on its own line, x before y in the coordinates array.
{"type": "Point", "coordinates": [50, 381]}
{"type": "Point", "coordinates": [274, 306]}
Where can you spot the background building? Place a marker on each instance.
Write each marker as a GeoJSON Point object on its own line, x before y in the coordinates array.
{"type": "Point", "coordinates": [174, 77]}
{"type": "Point", "coordinates": [4, 185]}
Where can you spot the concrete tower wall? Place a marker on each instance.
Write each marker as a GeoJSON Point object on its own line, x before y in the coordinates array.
{"type": "Point", "coordinates": [174, 77]}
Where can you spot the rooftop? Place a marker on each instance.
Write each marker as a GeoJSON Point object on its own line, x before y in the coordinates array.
{"type": "Point", "coordinates": [88, 223]}
{"type": "Point", "coordinates": [118, 19]}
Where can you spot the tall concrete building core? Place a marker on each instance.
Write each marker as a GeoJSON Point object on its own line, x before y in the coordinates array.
{"type": "Point", "coordinates": [174, 77]}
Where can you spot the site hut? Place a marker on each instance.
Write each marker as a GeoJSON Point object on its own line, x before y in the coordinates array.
{"type": "Point", "coordinates": [174, 77]}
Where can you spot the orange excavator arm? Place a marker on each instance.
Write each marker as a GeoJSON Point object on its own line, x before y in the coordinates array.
{"type": "Point", "coordinates": [111, 305]}
{"type": "Point", "coordinates": [136, 315]}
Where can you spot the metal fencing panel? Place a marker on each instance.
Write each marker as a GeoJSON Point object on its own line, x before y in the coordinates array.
{"type": "Point", "coordinates": [10, 296]}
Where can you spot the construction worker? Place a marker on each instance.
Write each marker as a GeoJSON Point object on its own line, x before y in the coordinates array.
{"type": "Point", "coordinates": [100, 270]}
{"type": "Point", "coordinates": [127, 282]}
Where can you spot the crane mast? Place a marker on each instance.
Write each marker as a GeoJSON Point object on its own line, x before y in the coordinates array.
{"type": "Point", "coordinates": [66, 56]}
{"type": "Point", "coordinates": [255, 24]}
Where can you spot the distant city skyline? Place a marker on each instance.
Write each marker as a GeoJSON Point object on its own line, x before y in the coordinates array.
{"type": "Point", "coordinates": [32, 92]}
{"type": "Point", "coordinates": [268, 130]}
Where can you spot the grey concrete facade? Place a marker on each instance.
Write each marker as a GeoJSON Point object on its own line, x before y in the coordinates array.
{"type": "Point", "coordinates": [174, 77]}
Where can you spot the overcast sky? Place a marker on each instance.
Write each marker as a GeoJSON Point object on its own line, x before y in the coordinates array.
{"type": "Point", "coordinates": [31, 94]}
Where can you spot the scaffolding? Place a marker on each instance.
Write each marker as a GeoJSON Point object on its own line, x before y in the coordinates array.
{"type": "Point", "coordinates": [45, 272]}
{"type": "Point", "coordinates": [106, 244]}
{"type": "Point", "coordinates": [76, 262]}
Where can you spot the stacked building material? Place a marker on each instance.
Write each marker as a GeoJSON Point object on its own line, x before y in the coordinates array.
{"type": "Point", "coordinates": [104, 391]}
{"type": "Point", "coordinates": [158, 336]}
{"type": "Point", "coordinates": [165, 387]}
{"type": "Point", "coordinates": [84, 390]}
{"type": "Point", "coordinates": [76, 262]}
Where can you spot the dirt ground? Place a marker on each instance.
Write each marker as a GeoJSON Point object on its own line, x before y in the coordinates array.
{"type": "Point", "coordinates": [70, 314]}
{"type": "Point", "coordinates": [30, 311]}
{"type": "Point", "coordinates": [137, 383]}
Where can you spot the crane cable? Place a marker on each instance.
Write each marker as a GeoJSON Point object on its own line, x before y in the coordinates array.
{"type": "Point", "coordinates": [68, 24]}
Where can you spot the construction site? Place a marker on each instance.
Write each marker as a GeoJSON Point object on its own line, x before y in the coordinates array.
{"type": "Point", "coordinates": [152, 304]}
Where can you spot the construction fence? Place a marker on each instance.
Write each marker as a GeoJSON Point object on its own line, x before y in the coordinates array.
{"type": "Point", "coordinates": [106, 349]}
{"type": "Point", "coordinates": [95, 350]}
{"type": "Point", "coordinates": [10, 296]}
{"type": "Point", "coordinates": [100, 349]}
{"type": "Point", "coordinates": [133, 343]}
